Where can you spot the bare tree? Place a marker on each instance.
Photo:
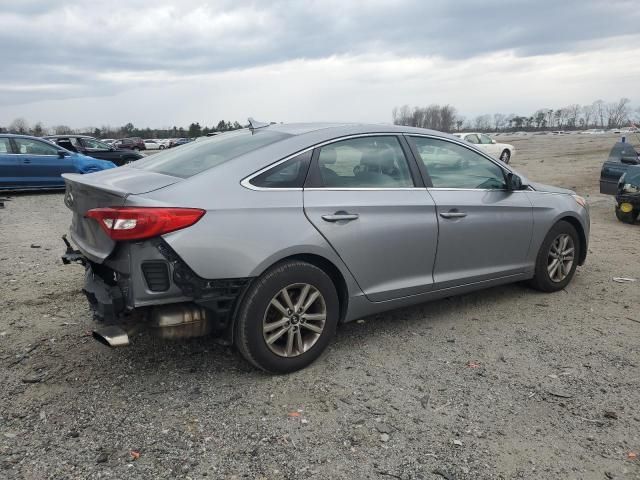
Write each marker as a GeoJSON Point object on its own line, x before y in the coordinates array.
{"type": "Point", "coordinates": [19, 125]}
{"type": "Point", "coordinates": [37, 130]}
{"type": "Point", "coordinates": [482, 123]}
{"type": "Point", "coordinates": [599, 111]}
{"type": "Point", "coordinates": [573, 111]}
{"type": "Point", "coordinates": [618, 113]}
{"type": "Point", "coordinates": [62, 130]}
{"type": "Point", "coordinates": [498, 121]}
{"type": "Point", "coordinates": [587, 113]}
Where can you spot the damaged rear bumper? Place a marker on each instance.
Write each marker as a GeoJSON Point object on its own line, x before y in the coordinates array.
{"type": "Point", "coordinates": [150, 279]}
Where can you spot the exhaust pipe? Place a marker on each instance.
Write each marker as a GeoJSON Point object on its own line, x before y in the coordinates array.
{"type": "Point", "coordinates": [182, 320]}
{"type": "Point", "coordinates": [112, 336]}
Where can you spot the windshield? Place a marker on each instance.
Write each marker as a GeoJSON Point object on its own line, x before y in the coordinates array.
{"type": "Point", "coordinates": [196, 157]}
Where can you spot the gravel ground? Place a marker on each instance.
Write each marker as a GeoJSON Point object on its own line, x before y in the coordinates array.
{"type": "Point", "coordinates": [504, 383]}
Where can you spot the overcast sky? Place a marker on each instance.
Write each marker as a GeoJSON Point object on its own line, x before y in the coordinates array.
{"type": "Point", "coordinates": [163, 63]}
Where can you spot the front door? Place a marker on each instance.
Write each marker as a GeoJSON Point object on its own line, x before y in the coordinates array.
{"type": "Point", "coordinates": [485, 230]}
{"type": "Point", "coordinates": [361, 196]}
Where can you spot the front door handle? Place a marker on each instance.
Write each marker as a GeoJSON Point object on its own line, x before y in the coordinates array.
{"type": "Point", "coordinates": [26, 160]}
{"type": "Point", "coordinates": [453, 214]}
{"type": "Point", "coordinates": [340, 216]}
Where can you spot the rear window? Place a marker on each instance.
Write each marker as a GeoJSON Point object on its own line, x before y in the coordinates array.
{"type": "Point", "coordinates": [196, 157]}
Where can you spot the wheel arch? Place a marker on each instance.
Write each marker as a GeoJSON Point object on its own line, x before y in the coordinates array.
{"type": "Point", "coordinates": [581, 234]}
{"type": "Point", "coordinates": [328, 267]}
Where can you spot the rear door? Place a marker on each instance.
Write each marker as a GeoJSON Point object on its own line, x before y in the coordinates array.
{"type": "Point", "coordinates": [42, 165]}
{"type": "Point", "coordinates": [366, 198]}
{"type": "Point", "coordinates": [485, 230]}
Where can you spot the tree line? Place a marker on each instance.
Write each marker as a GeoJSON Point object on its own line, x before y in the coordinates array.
{"type": "Point", "coordinates": [598, 114]}
{"type": "Point", "coordinates": [21, 126]}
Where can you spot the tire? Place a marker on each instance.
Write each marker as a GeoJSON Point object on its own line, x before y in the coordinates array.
{"type": "Point", "coordinates": [257, 311]}
{"type": "Point", "coordinates": [626, 217]}
{"type": "Point", "coordinates": [162, 147]}
{"type": "Point", "coordinates": [543, 280]}
{"type": "Point", "coordinates": [505, 156]}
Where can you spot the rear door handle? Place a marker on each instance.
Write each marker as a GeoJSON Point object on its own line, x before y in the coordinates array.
{"type": "Point", "coordinates": [453, 214]}
{"type": "Point", "coordinates": [340, 216]}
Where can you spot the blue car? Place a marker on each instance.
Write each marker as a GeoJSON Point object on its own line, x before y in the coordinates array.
{"type": "Point", "coordinates": [30, 163]}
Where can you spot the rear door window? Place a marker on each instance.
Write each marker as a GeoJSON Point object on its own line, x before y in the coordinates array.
{"type": "Point", "coordinates": [364, 162]}
{"type": "Point", "coordinates": [288, 174]}
{"type": "Point", "coordinates": [472, 138]}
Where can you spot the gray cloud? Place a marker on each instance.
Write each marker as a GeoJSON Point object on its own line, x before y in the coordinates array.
{"type": "Point", "coordinates": [81, 48]}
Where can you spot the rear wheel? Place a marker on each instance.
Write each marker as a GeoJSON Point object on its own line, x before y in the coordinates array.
{"type": "Point", "coordinates": [287, 318]}
{"type": "Point", "coordinates": [557, 258]}
{"type": "Point", "coordinates": [627, 217]}
{"type": "Point", "coordinates": [505, 156]}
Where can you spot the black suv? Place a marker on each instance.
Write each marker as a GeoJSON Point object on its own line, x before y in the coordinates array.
{"type": "Point", "coordinates": [93, 147]}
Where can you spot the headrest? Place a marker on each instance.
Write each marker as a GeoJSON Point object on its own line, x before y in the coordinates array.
{"type": "Point", "coordinates": [328, 156]}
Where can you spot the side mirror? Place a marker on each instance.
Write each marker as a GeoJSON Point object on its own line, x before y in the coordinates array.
{"type": "Point", "coordinates": [514, 182]}
{"type": "Point", "coordinates": [493, 141]}
{"type": "Point", "coordinates": [62, 153]}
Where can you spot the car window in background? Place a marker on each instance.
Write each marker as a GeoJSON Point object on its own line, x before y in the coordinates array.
{"type": "Point", "coordinates": [95, 144]}
{"type": "Point", "coordinates": [473, 138]}
{"type": "Point", "coordinates": [366, 162]}
{"type": "Point", "coordinates": [453, 166]}
{"type": "Point", "coordinates": [5, 146]}
{"type": "Point", "coordinates": [289, 174]}
{"type": "Point", "coordinates": [485, 139]}
{"type": "Point", "coordinates": [196, 157]}
{"type": "Point", "coordinates": [35, 147]}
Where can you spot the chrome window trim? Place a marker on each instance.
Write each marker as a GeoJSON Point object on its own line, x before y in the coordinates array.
{"type": "Point", "coordinates": [364, 189]}
{"type": "Point", "coordinates": [246, 182]}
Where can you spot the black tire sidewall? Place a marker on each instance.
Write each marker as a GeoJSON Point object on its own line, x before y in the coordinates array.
{"type": "Point", "coordinates": [626, 217]}
{"type": "Point", "coordinates": [249, 337]}
{"type": "Point", "coordinates": [542, 281]}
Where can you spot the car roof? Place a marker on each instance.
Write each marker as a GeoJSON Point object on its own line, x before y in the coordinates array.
{"type": "Point", "coordinates": [67, 136]}
{"type": "Point", "coordinates": [19, 135]}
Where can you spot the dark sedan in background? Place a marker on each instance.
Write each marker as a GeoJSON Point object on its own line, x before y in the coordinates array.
{"type": "Point", "coordinates": [29, 163]}
{"type": "Point", "coordinates": [95, 148]}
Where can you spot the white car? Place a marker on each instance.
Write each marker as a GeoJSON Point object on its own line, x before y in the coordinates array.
{"type": "Point", "coordinates": [152, 144]}
{"type": "Point", "coordinates": [502, 151]}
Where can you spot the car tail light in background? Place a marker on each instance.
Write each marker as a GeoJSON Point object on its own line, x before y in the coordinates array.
{"type": "Point", "coordinates": [138, 223]}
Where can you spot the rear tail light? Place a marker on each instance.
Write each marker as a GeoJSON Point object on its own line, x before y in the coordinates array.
{"type": "Point", "coordinates": [138, 223]}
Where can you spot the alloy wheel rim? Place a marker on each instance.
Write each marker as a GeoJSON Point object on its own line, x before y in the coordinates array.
{"type": "Point", "coordinates": [294, 320]}
{"type": "Point", "coordinates": [561, 258]}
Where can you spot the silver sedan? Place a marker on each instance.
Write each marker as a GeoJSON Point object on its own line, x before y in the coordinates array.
{"type": "Point", "coordinates": [271, 236]}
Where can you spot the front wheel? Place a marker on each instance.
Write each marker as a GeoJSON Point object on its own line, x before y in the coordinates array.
{"type": "Point", "coordinates": [287, 318]}
{"type": "Point", "coordinates": [162, 147]}
{"type": "Point", "coordinates": [505, 156]}
{"type": "Point", "coordinates": [557, 258]}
